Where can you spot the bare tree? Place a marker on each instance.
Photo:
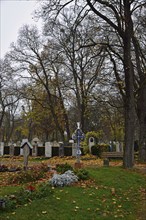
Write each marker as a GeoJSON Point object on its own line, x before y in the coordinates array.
{"type": "Point", "coordinates": [9, 99]}
{"type": "Point", "coordinates": [118, 18]}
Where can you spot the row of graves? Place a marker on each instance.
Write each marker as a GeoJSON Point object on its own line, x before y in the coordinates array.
{"type": "Point", "coordinates": [37, 148]}
{"type": "Point", "coordinates": [51, 149]}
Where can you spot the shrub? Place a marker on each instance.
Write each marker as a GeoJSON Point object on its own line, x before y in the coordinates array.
{"type": "Point", "coordinates": [103, 147]}
{"type": "Point", "coordinates": [96, 134]}
{"type": "Point", "coordinates": [65, 179]}
{"type": "Point", "coordinates": [95, 150]}
{"type": "Point", "coordinates": [62, 168]}
{"type": "Point", "coordinates": [82, 174]}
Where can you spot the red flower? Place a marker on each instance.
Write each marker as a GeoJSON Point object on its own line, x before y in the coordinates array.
{"type": "Point", "coordinates": [31, 188]}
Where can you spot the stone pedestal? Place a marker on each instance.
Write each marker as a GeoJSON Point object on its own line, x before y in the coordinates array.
{"type": "Point", "coordinates": [78, 165]}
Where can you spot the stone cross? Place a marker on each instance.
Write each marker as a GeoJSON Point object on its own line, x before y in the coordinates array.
{"type": "Point", "coordinates": [78, 136]}
{"type": "Point", "coordinates": [26, 151]}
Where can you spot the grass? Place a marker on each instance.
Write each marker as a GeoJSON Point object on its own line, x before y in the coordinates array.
{"type": "Point", "coordinates": [6, 190]}
{"type": "Point", "coordinates": [113, 193]}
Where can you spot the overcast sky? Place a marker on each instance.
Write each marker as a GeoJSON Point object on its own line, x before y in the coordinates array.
{"type": "Point", "coordinates": [13, 14]}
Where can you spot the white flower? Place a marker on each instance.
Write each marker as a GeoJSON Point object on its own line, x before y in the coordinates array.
{"type": "Point", "coordinates": [65, 179]}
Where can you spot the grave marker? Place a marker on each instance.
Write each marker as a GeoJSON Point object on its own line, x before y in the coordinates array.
{"type": "Point", "coordinates": [48, 149]}
{"type": "Point", "coordinates": [92, 143]}
{"type": "Point", "coordinates": [61, 149]}
{"type": "Point", "coordinates": [78, 136]}
{"type": "Point", "coordinates": [35, 142]}
{"type": "Point", "coordinates": [26, 146]}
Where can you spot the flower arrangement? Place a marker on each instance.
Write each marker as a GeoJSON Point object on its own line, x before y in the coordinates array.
{"type": "Point", "coordinates": [65, 179]}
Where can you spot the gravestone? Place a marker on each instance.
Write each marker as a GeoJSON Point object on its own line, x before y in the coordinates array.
{"type": "Point", "coordinates": [55, 144]}
{"type": "Point", "coordinates": [117, 146]}
{"type": "Point", "coordinates": [74, 147]}
{"type": "Point", "coordinates": [61, 149]}
{"type": "Point", "coordinates": [26, 146]}
{"type": "Point", "coordinates": [11, 152]}
{"type": "Point", "coordinates": [110, 146]}
{"type": "Point", "coordinates": [92, 143]}
{"type": "Point", "coordinates": [48, 149]}
{"type": "Point", "coordinates": [121, 146]}
{"type": "Point", "coordinates": [106, 162]}
{"type": "Point", "coordinates": [35, 143]}
{"type": "Point", "coordinates": [1, 148]}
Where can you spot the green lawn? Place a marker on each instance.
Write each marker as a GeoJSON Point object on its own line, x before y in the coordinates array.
{"type": "Point", "coordinates": [115, 193]}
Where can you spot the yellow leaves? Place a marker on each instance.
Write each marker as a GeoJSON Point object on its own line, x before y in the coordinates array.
{"type": "Point", "coordinates": [97, 209]}
{"type": "Point", "coordinates": [113, 191]}
{"type": "Point", "coordinates": [76, 208]}
{"type": "Point", "coordinates": [13, 213]}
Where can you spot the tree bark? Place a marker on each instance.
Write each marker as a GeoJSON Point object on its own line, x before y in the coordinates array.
{"type": "Point", "coordinates": [129, 88]}
{"type": "Point", "coordinates": [141, 110]}
{"type": "Point", "coordinates": [141, 101]}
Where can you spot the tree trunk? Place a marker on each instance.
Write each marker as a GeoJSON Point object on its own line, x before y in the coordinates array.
{"type": "Point", "coordinates": [129, 88]}
{"type": "Point", "coordinates": [141, 101]}
{"type": "Point", "coordinates": [141, 111]}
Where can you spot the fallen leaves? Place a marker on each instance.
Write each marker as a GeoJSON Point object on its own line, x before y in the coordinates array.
{"type": "Point", "coordinates": [44, 212]}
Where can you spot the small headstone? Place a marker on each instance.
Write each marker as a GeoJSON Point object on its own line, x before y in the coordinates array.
{"type": "Point", "coordinates": [48, 149]}
{"type": "Point", "coordinates": [106, 162]}
{"type": "Point", "coordinates": [92, 143]}
{"type": "Point", "coordinates": [74, 149]}
{"type": "Point", "coordinates": [110, 146]}
{"type": "Point", "coordinates": [12, 150]}
{"type": "Point", "coordinates": [55, 144]}
{"type": "Point", "coordinates": [35, 143]}
{"type": "Point", "coordinates": [61, 149]}
{"type": "Point", "coordinates": [117, 146]}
